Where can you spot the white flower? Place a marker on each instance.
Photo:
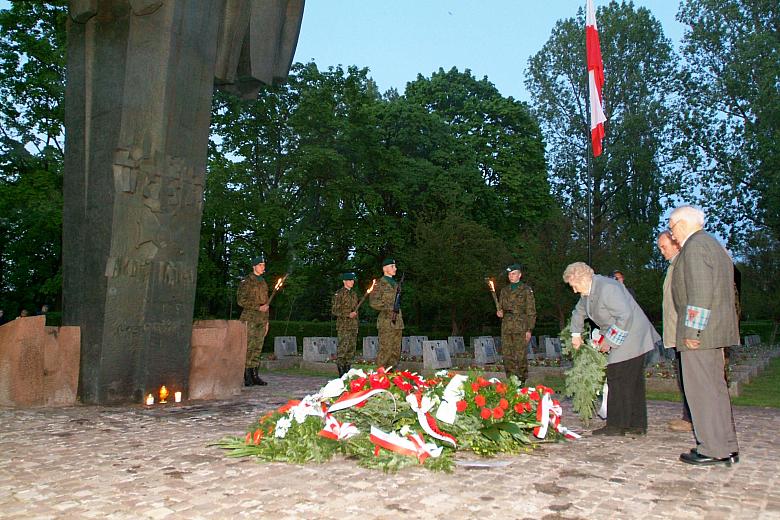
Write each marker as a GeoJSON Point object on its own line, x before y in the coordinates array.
{"type": "Point", "coordinates": [354, 372]}
{"type": "Point", "coordinates": [334, 388]}
{"type": "Point", "coordinates": [310, 405]}
{"type": "Point", "coordinates": [282, 425]}
{"type": "Point", "coordinates": [442, 373]}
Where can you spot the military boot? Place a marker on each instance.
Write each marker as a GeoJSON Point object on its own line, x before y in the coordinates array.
{"type": "Point", "coordinates": [248, 380]}
{"type": "Point", "coordinates": [340, 368]}
{"type": "Point", "coordinates": [256, 377]}
{"type": "Point", "coordinates": [346, 367]}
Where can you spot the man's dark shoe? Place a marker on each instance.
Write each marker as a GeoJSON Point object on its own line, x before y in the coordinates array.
{"type": "Point", "coordinates": [610, 431]}
{"type": "Point", "coordinates": [695, 458]}
{"type": "Point", "coordinates": [248, 380]}
{"type": "Point", "coordinates": [256, 378]}
{"type": "Point", "coordinates": [635, 431]}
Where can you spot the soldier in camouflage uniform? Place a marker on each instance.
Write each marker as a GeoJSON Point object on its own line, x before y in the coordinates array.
{"type": "Point", "coordinates": [253, 298]}
{"type": "Point", "coordinates": [345, 302]}
{"type": "Point", "coordinates": [382, 299]}
{"type": "Point", "coordinates": [518, 313]}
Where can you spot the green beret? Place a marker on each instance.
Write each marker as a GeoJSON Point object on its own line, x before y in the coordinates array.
{"type": "Point", "coordinates": [388, 261]}
{"type": "Point", "coordinates": [259, 259]}
{"type": "Point", "coordinates": [514, 267]}
{"type": "Point", "coordinates": [348, 276]}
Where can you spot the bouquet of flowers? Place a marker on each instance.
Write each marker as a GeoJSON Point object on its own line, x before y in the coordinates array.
{"type": "Point", "coordinates": [390, 419]}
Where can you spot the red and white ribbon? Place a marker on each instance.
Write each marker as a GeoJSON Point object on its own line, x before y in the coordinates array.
{"type": "Point", "coordinates": [355, 398]}
{"type": "Point", "coordinates": [336, 430]}
{"type": "Point", "coordinates": [412, 445]}
{"type": "Point", "coordinates": [422, 405]}
{"type": "Point", "coordinates": [549, 413]}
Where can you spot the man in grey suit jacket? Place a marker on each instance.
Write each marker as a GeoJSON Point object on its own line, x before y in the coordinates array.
{"type": "Point", "coordinates": [703, 295]}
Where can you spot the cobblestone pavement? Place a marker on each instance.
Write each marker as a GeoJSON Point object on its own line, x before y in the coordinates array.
{"type": "Point", "coordinates": [131, 462]}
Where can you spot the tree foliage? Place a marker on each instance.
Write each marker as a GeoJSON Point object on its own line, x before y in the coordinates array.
{"type": "Point", "coordinates": [32, 80]}
{"type": "Point", "coordinates": [731, 115]}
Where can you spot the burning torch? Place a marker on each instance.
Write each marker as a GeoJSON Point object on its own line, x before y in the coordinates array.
{"type": "Point", "coordinates": [492, 287]}
{"type": "Point", "coordinates": [368, 291]}
{"type": "Point", "coordinates": [277, 286]}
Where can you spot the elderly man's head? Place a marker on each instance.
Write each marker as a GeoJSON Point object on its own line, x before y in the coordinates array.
{"type": "Point", "coordinates": [685, 221]}
{"type": "Point", "coordinates": [668, 246]}
{"type": "Point", "coordinates": [579, 275]}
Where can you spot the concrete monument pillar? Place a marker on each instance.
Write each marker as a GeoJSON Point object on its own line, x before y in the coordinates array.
{"type": "Point", "coordinates": [140, 81]}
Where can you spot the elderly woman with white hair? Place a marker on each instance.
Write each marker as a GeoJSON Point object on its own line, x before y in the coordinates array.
{"type": "Point", "coordinates": [626, 334]}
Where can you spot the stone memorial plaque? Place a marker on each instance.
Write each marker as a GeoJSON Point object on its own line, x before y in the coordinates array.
{"type": "Point", "coordinates": [285, 346]}
{"type": "Point", "coordinates": [436, 354]}
{"type": "Point", "coordinates": [456, 345]}
{"type": "Point", "coordinates": [485, 351]}
{"type": "Point", "coordinates": [416, 345]}
{"type": "Point", "coordinates": [497, 343]}
{"type": "Point", "coordinates": [317, 349]}
{"type": "Point", "coordinates": [550, 351]}
{"type": "Point", "coordinates": [333, 345]}
{"type": "Point", "coordinates": [405, 345]}
{"type": "Point", "coordinates": [370, 347]}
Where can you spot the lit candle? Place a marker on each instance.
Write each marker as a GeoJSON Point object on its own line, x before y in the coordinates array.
{"type": "Point", "coordinates": [177, 397]}
{"type": "Point", "coordinates": [163, 394]}
{"type": "Point", "coordinates": [149, 400]}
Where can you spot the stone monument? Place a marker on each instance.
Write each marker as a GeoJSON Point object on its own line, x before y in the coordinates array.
{"type": "Point", "coordinates": [140, 80]}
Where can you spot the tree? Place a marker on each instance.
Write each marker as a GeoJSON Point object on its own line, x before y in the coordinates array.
{"type": "Point", "coordinates": [731, 84]}
{"type": "Point", "coordinates": [32, 85]}
{"type": "Point", "coordinates": [630, 179]}
{"type": "Point", "coordinates": [451, 260]}
{"type": "Point", "coordinates": [502, 144]}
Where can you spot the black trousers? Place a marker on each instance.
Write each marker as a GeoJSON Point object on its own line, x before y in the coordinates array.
{"type": "Point", "coordinates": [626, 400]}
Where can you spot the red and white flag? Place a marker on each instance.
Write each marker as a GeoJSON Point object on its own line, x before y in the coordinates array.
{"type": "Point", "coordinates": [595, 79]}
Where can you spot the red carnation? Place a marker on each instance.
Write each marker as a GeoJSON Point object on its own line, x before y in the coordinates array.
{"type": "Point", "coordinates": [258, 435]}
{"type": "Point", "coordinates": [481, 381]}
{"type": "Point", "coordinates": [479, 400]}
{"type": "Point", "coordinates": [503, 404]}
{"type": "Point", "coordinates": [498, 412]}
{"type": "Point", "coordinates": [485, 413]}
{"type": "Point", "coordinates": [519, 408]}
{"type": "Point", "coordinates": [534, 395]}
{"type": "Point", "coordinates": [474, 387]}
{"type": "Point", "coordinates": [357, 384]}
{"type": "Point", "coordinates": [528, 407]}
{"type": "Point", "coordinates": [501, 388]}
{"type": "Point", "coordinates": [461, 406]}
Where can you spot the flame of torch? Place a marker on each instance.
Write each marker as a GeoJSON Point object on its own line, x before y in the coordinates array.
{"type": "Point", "coordinates": [368, 291]}
{"type": "Point", "coordinates": [278, 285]}
{"type": "Point", "coordinates": [492, 286]}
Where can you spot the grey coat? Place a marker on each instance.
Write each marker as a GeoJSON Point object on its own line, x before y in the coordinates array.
{"type": "Point", "coordinates": [703, 294]}
{"type": "Point", "coordinates": [622, 322]}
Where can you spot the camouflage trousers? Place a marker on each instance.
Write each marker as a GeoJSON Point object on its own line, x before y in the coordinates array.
{"type": "Point", "coordinates": [514, 350]}
{"type": "Point", "coordinates": [347, 344]}
{"type": "Point", "coordinates": [255, 332]}
{"type": "Point", "coordinates": [389, 354]}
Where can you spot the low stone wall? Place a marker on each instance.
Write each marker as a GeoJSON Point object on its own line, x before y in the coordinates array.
{"type": "Point", "coordinates": [39, 365]}
{"type": "Point", "coordinates": [217, 359]}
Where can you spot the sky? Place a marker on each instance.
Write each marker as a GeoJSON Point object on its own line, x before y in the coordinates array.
{"type": "Point", "coordinates": [398, 39]}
